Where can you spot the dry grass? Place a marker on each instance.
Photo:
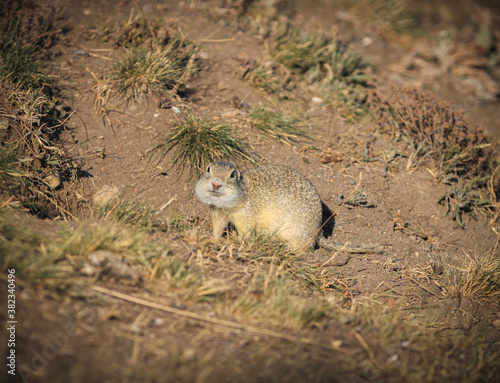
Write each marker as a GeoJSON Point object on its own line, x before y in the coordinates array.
{"type": "Point", "coordinates": [251, 301]}
{"type": "Point", "coordinates": [316, 57]}
{"type": "Point", "coordinates": [397, 16]}
{"type": "Point", "coordinates": [269, 77]}
{"type": "Point", "coordinates": [420, 347]}
{"type": "Point", "coordinates": [134, 213]}
{"type": "Point", "coordinates": [138, 30]}
{"type": "Point", "coordinates": [437, 136]}
{"type": "Point", "coordinates": [476, 277]}
{"type": "Point", "coordinates": [36, 258]}
{"type": "Point", "coordinates": [34, 165]}
{"type": "Point", "coordinates": [256, 286]}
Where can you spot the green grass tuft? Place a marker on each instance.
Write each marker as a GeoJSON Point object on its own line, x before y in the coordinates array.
{"type": "Point", "coordinates": [196, 142]}
{"type": "Point", "coordinates": [280, 126]}
{"type": "Point", "coordinates": [34, 257]}
{"type": "Point", "coordinates": [17, 63]}
{"type": "Point", "coordinates": [156, 71]}
{"type": "Point", "coordinates": [338, 74]}
{"type": "Point", "coordinates": [316, 57]}
{"type": "Point", "coordinates": [133, 213]}
{"type": "Point", "coordinates": [277, 299]}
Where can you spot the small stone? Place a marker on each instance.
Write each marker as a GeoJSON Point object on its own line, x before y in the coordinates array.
{"type": "Point", "coordinates": [221, 85]}
{"type": "Point", "coordinates": [317, 100]}
{"type": "Point", "coordinates": [393, 358]}
{"type": "Point", "coordinates": [52, 181]}
{"type": "Point", "coordinates": [336, 343]}
{"type": "Point", "coordinates": [4, 123]}
{"type": "Point", "coordinates": [105, 194]}
{"type": "Point", "coordinates": [366, 41]}
{"type": "Point", "coordinates": [111, 265]}
{"type": "Point", "coordinates": [88, 270]}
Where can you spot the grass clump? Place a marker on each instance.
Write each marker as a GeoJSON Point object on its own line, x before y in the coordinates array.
{"type": "Point", "coordinates": [270, 77]}
{"type": "Point", "coordinates": [475, 277]}
{"type": "Point", "coordinates": [133, 213]}
{"type": "Point", "coordinates": [282, 127]}
{"type": "Point", "coordinates": [158, 61]}
{"type": "Point", "coordinates": [17, 63]}
{"type": "Point", "coordinates": [196, 142]}
{"type": "Point", "coordinates": [389, 15]}
{"type": "Point", "coordinates": [138, 30]}
{"type": "Point", "coordinates": [338, 74]}
{"type": "Point", "coordinates": [395, 15]}
{"type": "Point", "coordinates": [315, 56]}
{"type": "Point", "coordinates": [36, 258]}
{"type": "Point", "coordinates": [158, 72]}
{"type": "Point", "coordinates": [437, 136]}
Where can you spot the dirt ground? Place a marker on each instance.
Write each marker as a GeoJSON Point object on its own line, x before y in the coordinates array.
{"type": "Point", "coordinates": [68, 339]}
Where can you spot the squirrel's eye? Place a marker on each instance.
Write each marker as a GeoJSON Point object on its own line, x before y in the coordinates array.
{"type": "Point", "coordinates": [234, 174]}
{"type": "Point", "coordinates": [208, 169]}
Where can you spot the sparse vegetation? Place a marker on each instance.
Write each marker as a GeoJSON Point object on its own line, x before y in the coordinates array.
{"type": "Point", "coordinates": [196, 142]}
{"type": "Point", "coordinates": [420, 348]}
{"type": "Point", "coordinates": [392, 15]}
{"type": "Point", "coordinates": [33, 162]}
{"type": "Point", "coordinates": [240, 309]}
{"type": "Point", "coordinates": [138, 30]}
{"type": "Point", "coordinates": [18, 65]}
{"type": "Point", "coordinates": [338, 74]}
{"type": "Point", "coordinates": [437, 134]}
{"type": "Point", "coordinates": [317, 57]}
{"type": "Point", "coordinates": [134, 213]}
{"type": "Point", "coordinates": [35, 258]}
{"type": "Point", "coordinates": [440, 138]}
{"type": "Point", "coordinates": [283, 127]}
{"type": "Point", "coordinates": [269, 77]}
{"type": "Point", "coordinates": [158, 61]}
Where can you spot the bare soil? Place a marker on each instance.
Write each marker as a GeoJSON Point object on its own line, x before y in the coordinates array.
{"type": "Point", "coordinates": [67, 339]}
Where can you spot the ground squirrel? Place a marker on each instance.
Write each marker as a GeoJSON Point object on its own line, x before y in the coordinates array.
{"type": "Point", "coordinates": [270, 199]}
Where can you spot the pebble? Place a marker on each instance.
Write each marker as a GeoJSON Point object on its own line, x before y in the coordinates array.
{"type": "Point", "coordinates": [317, 100]}
{"type": "Point", "coordinates": [105, 195]}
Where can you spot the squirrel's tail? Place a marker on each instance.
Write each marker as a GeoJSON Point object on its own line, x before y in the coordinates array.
{"type": "Point", "coordinates": [347, 247]}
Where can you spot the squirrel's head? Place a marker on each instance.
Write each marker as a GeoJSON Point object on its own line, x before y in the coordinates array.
{"type": "Point", "coordinates": [220, 185]}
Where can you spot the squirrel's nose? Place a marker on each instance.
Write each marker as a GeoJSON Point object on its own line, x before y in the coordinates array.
{"type": "Point", "coordinates": [216, 185]}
